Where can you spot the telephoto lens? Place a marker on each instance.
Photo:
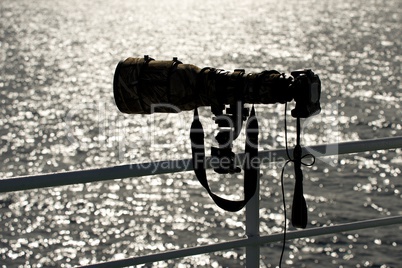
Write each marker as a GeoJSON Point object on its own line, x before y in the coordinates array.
{"type": "Point", "coordinates": [144, 86]}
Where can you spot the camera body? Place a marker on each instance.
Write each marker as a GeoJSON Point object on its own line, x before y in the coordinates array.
{"type": "Point", "coordinates": [307, 93]}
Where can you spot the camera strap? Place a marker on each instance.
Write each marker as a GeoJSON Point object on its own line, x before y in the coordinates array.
{"type": "Point", "coordinates": [299, 206]}
{"type": "Point", "coordinates": [251, 162]}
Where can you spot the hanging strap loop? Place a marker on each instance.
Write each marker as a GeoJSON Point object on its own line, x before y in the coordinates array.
{"type": "Point", "coordinates": [251, 163]}
{"type": "Point", "coordinates": [299, 206]}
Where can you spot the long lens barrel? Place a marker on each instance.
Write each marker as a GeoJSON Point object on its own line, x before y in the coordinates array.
{"type": "Point", "coordinates": [144, 86]}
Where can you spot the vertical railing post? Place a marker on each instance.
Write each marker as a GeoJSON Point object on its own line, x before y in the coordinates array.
{"type": "Point", "coordinates": [253, 227]}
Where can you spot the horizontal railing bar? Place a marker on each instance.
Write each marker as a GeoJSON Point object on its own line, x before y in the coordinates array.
{"type": "Point", "coordinates": [173, 166]}
{"type": "Point", "coordinates": [317, 231]}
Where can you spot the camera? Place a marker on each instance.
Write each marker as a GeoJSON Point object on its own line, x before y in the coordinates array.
{"type": "Point", "coordinates": [145, 85]}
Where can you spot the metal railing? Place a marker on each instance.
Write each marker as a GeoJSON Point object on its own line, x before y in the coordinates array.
{"type": "Point", "coordinates": [253, 240]}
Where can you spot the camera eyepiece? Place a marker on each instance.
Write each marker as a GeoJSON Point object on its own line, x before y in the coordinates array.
{"type": "Point", "coordinates": [307, 93]}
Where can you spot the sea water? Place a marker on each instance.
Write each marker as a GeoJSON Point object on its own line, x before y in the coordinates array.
{"type": "Point", "coordinates": [57, 60]}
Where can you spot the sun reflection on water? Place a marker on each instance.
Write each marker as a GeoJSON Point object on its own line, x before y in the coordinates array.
{"type": "Point", "coordinates": [57, 61]}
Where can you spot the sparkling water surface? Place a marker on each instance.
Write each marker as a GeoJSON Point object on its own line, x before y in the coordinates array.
{"type": "Point", "coordinates": [57, 60]}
